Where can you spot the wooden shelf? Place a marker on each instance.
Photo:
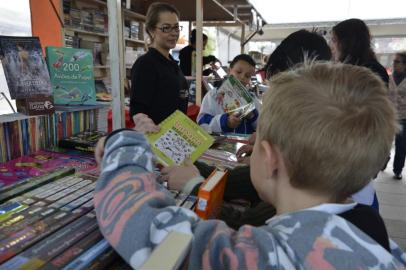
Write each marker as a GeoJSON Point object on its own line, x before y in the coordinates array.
{"type": "Point", "coordinates": [134, 15]}
{"type": "Point", "coordinates": [80, 31]}
{"type": "Point", "coordinates": [97, 2]}
{"type": "Point", "coordinates": [138, 41]}
{"type": "Point", "coordinates": [101, 67]}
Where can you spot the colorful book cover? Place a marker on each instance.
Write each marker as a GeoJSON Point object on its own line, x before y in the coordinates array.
{"type": "Point", "coordinates": [71, 72]}
{"type": "Point", "coordinates": [25, 69]}
{"type": "Point", "coordinates": [83, 141]}
{"type": "Point", "coordinates": [40, 163]}
{"type": "Point", "coordinates": [179, 139]}
{"type": "Point", "coordinates": [235, 98]}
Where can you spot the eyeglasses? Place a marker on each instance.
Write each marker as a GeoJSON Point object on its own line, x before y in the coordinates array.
{"type": "Point", "coordinates": [168, 29]}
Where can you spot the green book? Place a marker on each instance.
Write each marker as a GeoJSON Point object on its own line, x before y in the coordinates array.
{"type": "Point", "coordinates": [235, 98]}
{"type": "Point", "coordinates": [72, 78]}
{"type": "Point", "coordinates": [179, 139]}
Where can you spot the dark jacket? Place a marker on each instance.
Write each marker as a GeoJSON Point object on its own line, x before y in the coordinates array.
{"type": "Point", "coordinates": [158, 86]}
{"type": "Point", "coordinates": [185, 60]}
{"type": "Point", "coordinates": [378, 69]}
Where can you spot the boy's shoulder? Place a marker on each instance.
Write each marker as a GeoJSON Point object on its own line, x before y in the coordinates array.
{"type": "Point", "coordinates": [316, 235]}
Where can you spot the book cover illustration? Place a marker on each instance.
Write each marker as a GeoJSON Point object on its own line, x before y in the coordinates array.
{"type": "Point", "coordinates": [83, 141]}
{"type": "Point", "coordinates": [40, 163]}
{"type": "Point", "coordinates": [24, 67]}
{"type": "Point", "coordinates": [71, 72]}
{"type": "Point", "coordinates": [179, 138]}
{"type": "Point", "coordinates": [235, 98]}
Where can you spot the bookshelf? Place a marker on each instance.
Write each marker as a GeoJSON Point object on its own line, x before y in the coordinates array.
{"type": "Point", "coordinates": [85, 26]}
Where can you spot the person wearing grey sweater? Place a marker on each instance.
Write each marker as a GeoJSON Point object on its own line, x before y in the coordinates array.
{"type": "Point", "coordinates": [135, 213]}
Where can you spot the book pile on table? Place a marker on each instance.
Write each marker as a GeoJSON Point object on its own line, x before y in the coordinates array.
{"type": "Point", "coordinates": [53, 225]}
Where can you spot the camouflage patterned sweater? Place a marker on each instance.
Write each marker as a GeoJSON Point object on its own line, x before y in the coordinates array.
{"type": "Point", "coordinates": [135, 214]}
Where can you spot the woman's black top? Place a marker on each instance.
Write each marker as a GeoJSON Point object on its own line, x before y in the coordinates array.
{"type": "Point", "coordinates": [378, 69]}
{"type": "Point", "coordinates": [158, 87]}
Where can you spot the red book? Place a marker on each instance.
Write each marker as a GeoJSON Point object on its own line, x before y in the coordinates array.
{"type": "Point", "coordinates": [210, 195]}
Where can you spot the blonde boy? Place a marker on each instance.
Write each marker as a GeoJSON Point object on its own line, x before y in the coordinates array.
{"type": "Point", "coordinates": [323, 131]}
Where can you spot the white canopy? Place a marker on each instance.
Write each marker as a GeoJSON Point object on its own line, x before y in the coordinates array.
{"type": "Point", "coordinates": [299, 11]}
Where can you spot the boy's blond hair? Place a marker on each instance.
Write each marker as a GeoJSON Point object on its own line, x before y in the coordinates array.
{"type": "Point", "coordinates": [333, 123]}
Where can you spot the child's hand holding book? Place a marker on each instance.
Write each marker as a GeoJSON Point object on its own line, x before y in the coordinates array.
{"type": "Point", "coordinates": [179, 176]}
{"type": "Point", "coordinates": [234, 120]}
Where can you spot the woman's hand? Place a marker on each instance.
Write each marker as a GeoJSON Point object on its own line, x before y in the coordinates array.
{"type": "Point", "coordinates": [144, 124]}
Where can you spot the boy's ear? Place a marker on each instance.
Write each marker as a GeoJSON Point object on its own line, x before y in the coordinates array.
{"type": "Point", "coordinates": [271, 158]}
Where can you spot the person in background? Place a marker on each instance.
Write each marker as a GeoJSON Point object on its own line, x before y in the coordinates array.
{"type": "Point", "coordinates": [185, 55]}
{"type": "Point", "coordinates": [212, 116]}
{"type": "Point", "coordinates": [158, 85]}
{"type": "Point", "coordinates": [293, 50]}
{"type": "Point", "coordinates": [351, 44]}
{"type": "Point", "coordinates": [295, 167]}
{"type": "Point", "coordinates": [397, 88]}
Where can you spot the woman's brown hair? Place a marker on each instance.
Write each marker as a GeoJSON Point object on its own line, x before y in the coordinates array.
{"type": "Point", "coordinates": [153, 12]}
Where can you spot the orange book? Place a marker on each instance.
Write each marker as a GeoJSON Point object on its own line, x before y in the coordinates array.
{"type": "Point", "coordinates": [210, 195]}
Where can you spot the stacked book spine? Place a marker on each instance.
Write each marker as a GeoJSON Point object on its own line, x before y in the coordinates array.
{"type": "Point", "coordinates": [21, 136]}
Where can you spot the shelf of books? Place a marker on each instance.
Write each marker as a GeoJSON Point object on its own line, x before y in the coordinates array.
{"type": "Point", "coordinates": [22, 135]}
{"type": "Point", "coordinates": [86, 27]}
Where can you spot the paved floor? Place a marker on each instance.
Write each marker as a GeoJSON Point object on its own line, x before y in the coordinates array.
{"type": "Point", "coordinates": [392, 202]}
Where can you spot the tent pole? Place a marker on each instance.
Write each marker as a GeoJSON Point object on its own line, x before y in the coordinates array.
{"type": "Point", "coordinates": [116, 48]}
{"type": "Point", "coordinates": [242, 37]}
{"type": "Point", "coordinates": [199, 50]}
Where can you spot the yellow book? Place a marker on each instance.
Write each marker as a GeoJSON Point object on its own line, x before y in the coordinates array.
{"type": "Point", "coordinates": [170, 253]}
{"type": "Point", "coordinates": [179, 139]}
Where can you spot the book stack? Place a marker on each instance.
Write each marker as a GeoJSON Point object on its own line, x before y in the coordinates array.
{"type": "Point", "coordinates": [134, 29]}
{"type": "Point", "coordinates": [100, 22]}
{"type": "Point", "coordinates": [84, 141]}
{"type": "Point", "coordinates": [75, 18]}
{"type": "Point", "coordinates": [184, 200]}
{"type": "Point", "coordinates": [66, 12]}
{"type": "Point", "coordinates": [48, 222]}
{"type": "Point", "coordinates": [21, 135]}
{"type": "Point", "coordinates": [87, 19]}
{"type": "Point", "coordinates": [222, 154]}
{"type": "Point", "coordinates": [53, 226]}
{"type": "Point", "coordinates": [42, 162]}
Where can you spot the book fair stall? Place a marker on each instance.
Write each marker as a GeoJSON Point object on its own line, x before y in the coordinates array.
{"type": "Point", "coordinates": [65, 79]}
{"type": "Point", "coordinates": [81, 189]}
